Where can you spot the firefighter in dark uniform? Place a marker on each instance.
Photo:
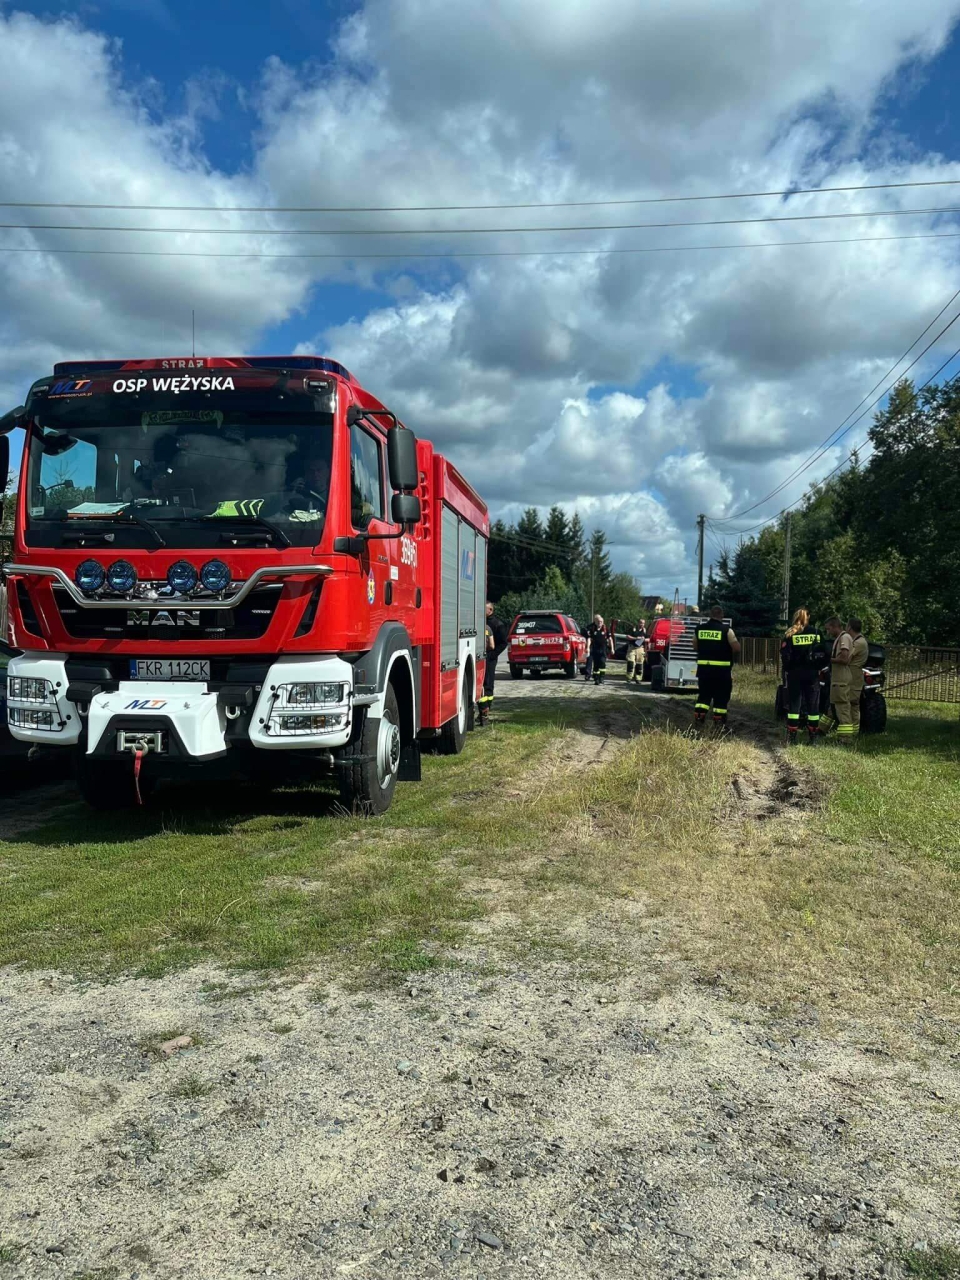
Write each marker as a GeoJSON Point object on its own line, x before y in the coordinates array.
{"type": "Point", "coordinates": [717, 646]}
{"type": "Point", "coordinates": [803, 652]}
{"type": "Point", "coordinates": [598, 642]}
{"type": "Point", "coordinates": [494, 643]}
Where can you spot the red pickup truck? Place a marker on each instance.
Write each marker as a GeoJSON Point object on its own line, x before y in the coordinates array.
{"type": "Point", "coordinates": [541, 640]}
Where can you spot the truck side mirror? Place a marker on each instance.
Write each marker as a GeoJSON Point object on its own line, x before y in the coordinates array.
{"type": "Point", "coordinates": [5, 462]}
{"type": "Point", "coordinates": [402, 459]}
{"type": "Point", "coordinates": [405, 509]}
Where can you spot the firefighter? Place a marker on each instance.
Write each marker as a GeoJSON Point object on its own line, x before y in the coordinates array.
{"type": "Point", "coordinates": [636, 644]}
{"type": "Point", "coordinates": [495, 641]}
{"type": "Point", "coordinates": [846, 675]}
{"type": "Point", "coordinates": [716, 647]}
{"type": "Point", "coordinates": [803, 652]}
{"type": "Point", "coordinates": [598, 641]}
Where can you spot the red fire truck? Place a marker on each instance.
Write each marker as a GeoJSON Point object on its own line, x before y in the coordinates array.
{"type": "Point", "coordinates": [208, 572]}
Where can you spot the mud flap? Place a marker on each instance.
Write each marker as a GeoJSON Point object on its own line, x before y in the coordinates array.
{"type": "Point", "coordinates": [409, 768]}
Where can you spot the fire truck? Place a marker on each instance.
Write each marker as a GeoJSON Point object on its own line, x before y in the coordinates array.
{"type": "Point", "coordinates": [238, 565]}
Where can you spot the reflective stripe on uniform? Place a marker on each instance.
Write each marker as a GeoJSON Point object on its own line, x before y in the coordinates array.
{"type": "Point", "coordinates": [793, 715]}
{"type": "Point", "coordinates": [719, 711]}
{"type": "Point", "coordinates": [708, 662]}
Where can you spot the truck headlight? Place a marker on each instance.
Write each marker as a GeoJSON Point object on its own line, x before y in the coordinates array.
{"type": "Point", "coordinates": [304, 726]}
{"type": "Point", "coordinates": [29, 689]}
{"type": "Point", "coordinates": [312, 695]}
{"type": "Point", "coordinates": [26, 718]}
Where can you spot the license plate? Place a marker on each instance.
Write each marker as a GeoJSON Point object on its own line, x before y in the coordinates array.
{"type": "Point", "coordinates": [544, 659]}
{"type": "Point", "coordinates": [169, 669]}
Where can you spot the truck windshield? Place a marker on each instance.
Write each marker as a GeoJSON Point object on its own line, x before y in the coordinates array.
{"type": "Point", "coordinates": [192, 474]}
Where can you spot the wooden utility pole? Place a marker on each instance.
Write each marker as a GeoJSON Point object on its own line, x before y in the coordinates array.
{"type": "Point", "coordinates": [785, 598]}
{"type": "Point", "coordinates": [701, 523]}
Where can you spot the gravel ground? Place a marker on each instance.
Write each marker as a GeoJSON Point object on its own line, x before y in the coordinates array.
{"type": "Point", "coordinates": [533, 1123]}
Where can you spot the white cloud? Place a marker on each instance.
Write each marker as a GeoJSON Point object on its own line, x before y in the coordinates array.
{"type": "Point", "coordinates": [638, 388]}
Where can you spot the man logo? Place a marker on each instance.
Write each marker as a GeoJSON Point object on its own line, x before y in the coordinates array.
{"type": "Point", "coordinates": [146, 704]}
{"type": "Point", "coordinates": [163, 618]}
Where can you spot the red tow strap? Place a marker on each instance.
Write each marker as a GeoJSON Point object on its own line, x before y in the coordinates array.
{"type": "Point", "coordinates": [137, 760]}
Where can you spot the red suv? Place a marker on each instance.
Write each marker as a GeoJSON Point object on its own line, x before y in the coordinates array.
{"type": "Point", "coordinates": [545, 641]}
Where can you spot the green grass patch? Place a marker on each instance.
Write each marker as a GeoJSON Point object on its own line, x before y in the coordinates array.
{"type": "Point", "coordinates": [191, 1087]}
{"type": "Point", "coordinates": [942, 1262]}
{"type": "Point", "coordinates": [263, 881]}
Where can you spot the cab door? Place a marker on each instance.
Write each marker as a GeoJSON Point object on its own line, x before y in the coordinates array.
{"type": "Point", "coordinates": [369, 514]}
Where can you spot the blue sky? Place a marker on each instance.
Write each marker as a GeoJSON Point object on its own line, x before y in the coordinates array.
{"type": "Point", "coordinates": [637, 390]}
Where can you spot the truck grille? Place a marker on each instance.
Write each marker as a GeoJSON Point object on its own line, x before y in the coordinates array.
{"type": "Point", "coordinates": [248, 621]}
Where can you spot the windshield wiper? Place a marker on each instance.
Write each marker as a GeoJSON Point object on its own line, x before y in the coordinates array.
{"type": "Point", "coordinates": [130, 515]}
{"type": "Point", "coordinates": [117, 517]}
{"type": "Point", "coordinates": [274, 530]}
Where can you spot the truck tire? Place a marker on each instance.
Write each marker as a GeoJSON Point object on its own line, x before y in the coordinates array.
{"type": "Point", "coordinates": [367, 787]}
{"type": "Point", "coordinates": [109, 786]}
{"type": "Point", "coordinates": [570, 670]}
{"type": "Point", "coordinates": [454, 733]}
{"type": "Point", "coordinates": [516, 673]}
{"type": "Point", "coordinates": [873, 713]}
{"type": "Point", "coordinates": [658, 677]}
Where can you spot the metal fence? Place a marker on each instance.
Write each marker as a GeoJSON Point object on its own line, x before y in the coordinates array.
{"type": "Point", "coordinates": [919, 672]}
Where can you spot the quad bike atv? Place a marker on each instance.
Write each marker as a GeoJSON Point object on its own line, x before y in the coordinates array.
{"type": "Point", "coordinates": [873, 705]}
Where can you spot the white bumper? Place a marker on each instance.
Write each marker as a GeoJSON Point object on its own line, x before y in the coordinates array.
{"type": "Point", "coordinates": [183, 708]}
{"type": "Point", "coordinates": [189, 712]}
{"type": "Point", "coordinates": [64, 721]}
{"type": "Point", "coordinates": [276, 725]}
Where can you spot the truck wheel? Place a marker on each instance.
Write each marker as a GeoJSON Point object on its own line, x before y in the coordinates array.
{"type": "Point", "coordinates": [367, 788]}
{"type": "Point", "coordinates": [109, 787]}
{"type": "Point", "coordinates": [570, 670]}
{"type": "Point", "coordinates": [454, 733]}
{"type": "Point", "coordinates": [516, 673]}
{"type": "Point", "coordinates": [873, 713]}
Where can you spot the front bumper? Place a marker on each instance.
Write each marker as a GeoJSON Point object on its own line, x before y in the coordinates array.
{"type": "Point", "coordinates": [184, 719]}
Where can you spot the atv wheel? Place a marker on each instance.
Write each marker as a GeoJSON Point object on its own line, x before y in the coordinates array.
{"type": "Point", "coordinates": [873, 713]}
{"type": "Point", "coordinates": [367, 787]}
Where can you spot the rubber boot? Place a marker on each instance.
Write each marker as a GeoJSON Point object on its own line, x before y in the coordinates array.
{"type": "Point", "coordinates": [699, 718]}
{"type": "Point", "coordinates": [813, 737]}
{"type": "Point", "coordinates": [792, 738]}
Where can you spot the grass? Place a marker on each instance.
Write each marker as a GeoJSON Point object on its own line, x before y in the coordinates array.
{"type": "Point", "coordinates": [10, 1250]}
{"type": "Point", "coordinates": [220, 882]}
{"type": "Point", "coordinates": [852, 901]}
{"type": "Point", "coordinates": [191, 1087]}
{"type": "Point", "coordinates": [942, 1262]}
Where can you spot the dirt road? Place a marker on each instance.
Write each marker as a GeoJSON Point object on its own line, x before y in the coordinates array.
{"type": "Point", "coordinates": [492, 1119]}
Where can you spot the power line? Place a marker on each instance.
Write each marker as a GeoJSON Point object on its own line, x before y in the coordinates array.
{"type": "Point", "coordinates": [478, 231]}
{"type": "Point", "coordinates": [829, 442]}
{"type": "Point", "coordinates": [854, 452]}
{"type": "Point", "coordinates": [494, 253]}
{"type": "Point", "coordinates": [472, 208]}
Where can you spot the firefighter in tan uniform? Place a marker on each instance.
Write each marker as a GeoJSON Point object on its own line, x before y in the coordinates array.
{"type": "Point", "coordinates": [846, 674]}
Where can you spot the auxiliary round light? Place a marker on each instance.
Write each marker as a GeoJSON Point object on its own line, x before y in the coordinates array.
{"type": "Point", "coordinates": [215, 575]}
{"type": "Point", "coordinates": [182, 577]}
{"type": "Point", "coordinates": [121, 576]}
{"type": "Point", "coordinates": [89, 576]}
